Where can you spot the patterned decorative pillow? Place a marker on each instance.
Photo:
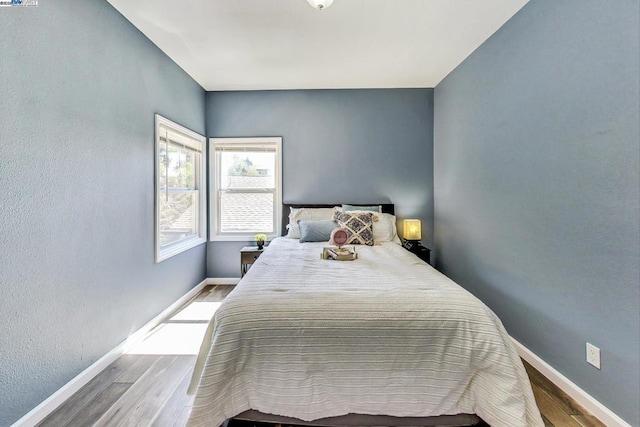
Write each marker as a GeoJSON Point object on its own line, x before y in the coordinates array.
{"type": "Point", "coordinates": [384, 225]}
{"type": "Point", "coordinates": [359, 226]}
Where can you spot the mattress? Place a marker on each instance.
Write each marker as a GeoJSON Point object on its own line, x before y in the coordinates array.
{"type": "Point", "coordinates": [385, 334]}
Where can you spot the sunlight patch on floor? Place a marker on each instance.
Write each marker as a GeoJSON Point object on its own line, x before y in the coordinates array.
{"type": "Point", "coordinates": [197, 311]}
{"type": "Point", "coordinates": [173, 339]}
{"type": "Point", "coordinates": [180, 335]}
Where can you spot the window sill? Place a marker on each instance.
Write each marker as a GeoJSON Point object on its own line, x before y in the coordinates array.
{"type": "Point", "coordinates": [178, 248]}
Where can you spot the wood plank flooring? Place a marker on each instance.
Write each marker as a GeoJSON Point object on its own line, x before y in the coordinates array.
{"type": "Point", "coordinates": [147, 387]}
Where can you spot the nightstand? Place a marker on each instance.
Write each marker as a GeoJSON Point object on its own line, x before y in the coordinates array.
{"type": "Point", "coordinates": [416, 247]}
{"type": "Point", "coordinates": [248, 255]}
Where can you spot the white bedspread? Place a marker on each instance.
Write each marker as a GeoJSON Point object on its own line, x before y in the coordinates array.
{"type": "Point", "coordinates": [386, 334]}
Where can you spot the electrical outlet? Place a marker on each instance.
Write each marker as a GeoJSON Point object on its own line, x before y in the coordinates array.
{"type": "Point", "coordinates": [593, 355]}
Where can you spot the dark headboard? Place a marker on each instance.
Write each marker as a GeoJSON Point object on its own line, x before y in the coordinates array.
{"type": "Point", "coordinates": [386, 208]}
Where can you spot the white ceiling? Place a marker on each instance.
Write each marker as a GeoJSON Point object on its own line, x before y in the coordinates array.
{"type": "Point", "coordinates": [286, 44]}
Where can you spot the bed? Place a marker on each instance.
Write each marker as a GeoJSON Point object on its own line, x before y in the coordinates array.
{"type": "Point", "coordinates": [382, 340]}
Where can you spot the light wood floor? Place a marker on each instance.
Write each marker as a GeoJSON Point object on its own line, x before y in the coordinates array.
{"type": "Point", "coordinates": [147, 387]}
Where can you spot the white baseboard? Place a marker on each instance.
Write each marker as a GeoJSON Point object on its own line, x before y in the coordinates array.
{"type": "Point", "coordinates": [222, 280]}
{"type": "Point", "coordinates": [588, 402]}
{"type": "Point", "coordinates": [52, 403]}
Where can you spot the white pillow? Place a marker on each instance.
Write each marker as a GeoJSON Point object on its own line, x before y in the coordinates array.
{"type": "Point", "coordinates": [384, 229]}
{"type": "Point", "coordinates": [307, 214]}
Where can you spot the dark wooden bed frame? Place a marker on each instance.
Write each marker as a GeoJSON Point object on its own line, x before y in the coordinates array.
{"type": "Point", "coordinates": [360, 420]}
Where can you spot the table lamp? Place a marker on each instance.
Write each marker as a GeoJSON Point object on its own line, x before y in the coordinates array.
{"type": "Point", "coordinates": [412, 229]}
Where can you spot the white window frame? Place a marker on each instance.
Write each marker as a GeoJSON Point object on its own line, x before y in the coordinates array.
{"type": "Point", "coordinates": [215, 183]}
{"type": "Point", "coordinates": [188, 138]}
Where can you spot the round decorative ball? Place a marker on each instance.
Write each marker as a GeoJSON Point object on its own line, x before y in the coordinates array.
{"type": "Point", "coordinates": [339, 237]}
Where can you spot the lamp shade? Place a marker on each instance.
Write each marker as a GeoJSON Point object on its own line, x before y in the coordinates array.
{"type": "Point", "coordinates": [412, 229]}
{"type": "Point", "coordinates": [320, 4]}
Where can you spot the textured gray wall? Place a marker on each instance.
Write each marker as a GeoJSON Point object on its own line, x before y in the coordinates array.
{"type": "Point", "coordinates": [338, 146]}
{"type": "Point", "coordinates": [536, 154]}
{"type": "Point", "coordinates": [79, 87]}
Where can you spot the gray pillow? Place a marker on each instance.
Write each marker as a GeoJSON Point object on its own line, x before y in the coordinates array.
{"type": "Point", "coordinates": [316, 231]}
{"type": "Point", "coordinates": [376, 208]}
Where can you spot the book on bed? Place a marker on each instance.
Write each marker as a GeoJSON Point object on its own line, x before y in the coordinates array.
{"type": "Point", "coordinates": [339, 253]}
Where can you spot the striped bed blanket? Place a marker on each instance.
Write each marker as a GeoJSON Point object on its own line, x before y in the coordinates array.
{"type": "Point", "coordinates": [385, 334]}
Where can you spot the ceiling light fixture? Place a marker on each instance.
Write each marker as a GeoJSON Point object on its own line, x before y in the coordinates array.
{"type": "Point", "coordinates": [320, 4]}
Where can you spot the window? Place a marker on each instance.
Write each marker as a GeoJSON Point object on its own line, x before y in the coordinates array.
{"type": "Point", "coordinates": [180, 189]}
{"type": "Point", "coordinates": [246, 185]}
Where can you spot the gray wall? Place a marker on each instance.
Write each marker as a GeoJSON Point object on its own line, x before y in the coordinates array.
{"type": "Point", "coordinates": [536, 171]}
{"type": "Point", "coordinates": [375, 145]}
{"type": "Point", "coordinates": [79, 87]}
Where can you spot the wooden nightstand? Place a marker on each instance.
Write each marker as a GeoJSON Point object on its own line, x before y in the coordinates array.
{"type": "Point", "coordinates": [248, 255]}
{"type": "Point", "coordinates": [416, 247]}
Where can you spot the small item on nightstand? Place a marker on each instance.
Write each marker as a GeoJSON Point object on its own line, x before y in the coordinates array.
{"type": "Point", "coordinates": [415, 247]}
{"type": "Point", "coordinates": [409, 244]}
{"type": "Point", "coordinates": [260, 239]}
